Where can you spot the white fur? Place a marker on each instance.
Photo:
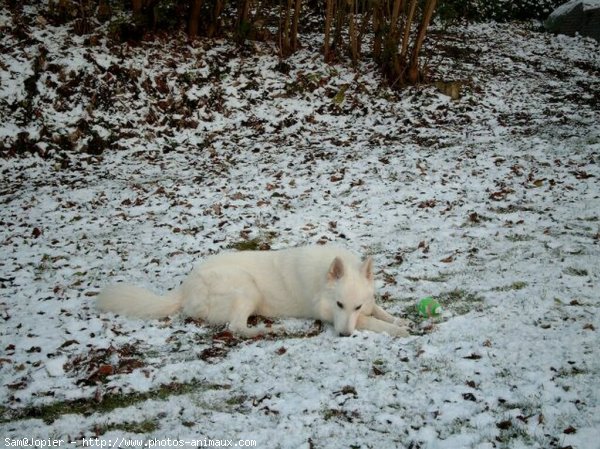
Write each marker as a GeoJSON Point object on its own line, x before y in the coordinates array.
{"type": "Point", "coordinates": [318, 282]}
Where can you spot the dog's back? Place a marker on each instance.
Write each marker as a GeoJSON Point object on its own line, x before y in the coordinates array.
{"type": "Point", "coordinates": [289, 280]}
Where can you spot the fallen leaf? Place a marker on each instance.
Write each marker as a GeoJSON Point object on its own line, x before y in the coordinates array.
{"type": "Point", "coordinates": [69, 343]}
{"type": "Point", "coordinates": [474, 217]}
{"type": "Point", "coordinates": [105, 370]}
{"type": "Point", "coordinates": [469, 397]}
{"type": "Point", "coordinates": [581, 174]}
{"type": "Point", "coordinates": [504, 425]}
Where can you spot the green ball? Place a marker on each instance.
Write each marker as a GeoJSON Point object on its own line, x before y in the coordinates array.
{"type": "Point", "coordinates": [429, 307]}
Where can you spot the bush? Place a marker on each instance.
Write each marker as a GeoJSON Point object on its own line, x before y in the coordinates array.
{"type": "Point", "coordinates": [498, 10]}
{"type": "Point", "coordinates": [399, 27]}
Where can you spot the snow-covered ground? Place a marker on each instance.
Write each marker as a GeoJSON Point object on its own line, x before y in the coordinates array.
{"type": "Point", "coordinates": [490, 203]}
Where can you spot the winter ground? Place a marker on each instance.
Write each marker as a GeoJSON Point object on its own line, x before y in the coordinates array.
{"type": "Point", "coordinates": [490, 203]}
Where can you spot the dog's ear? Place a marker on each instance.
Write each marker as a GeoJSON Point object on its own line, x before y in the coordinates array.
{"type": "Point", "coordinates": [367, 269]}
{"type": "Point", "coordinates": [336, 270]}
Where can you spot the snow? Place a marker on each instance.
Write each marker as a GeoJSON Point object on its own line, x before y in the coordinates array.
{"type": "Point", "coordinates": [490, 203]}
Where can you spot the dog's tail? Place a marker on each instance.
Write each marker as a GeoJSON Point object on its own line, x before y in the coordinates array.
{"type": "Point", "coordinates": [137, 302]}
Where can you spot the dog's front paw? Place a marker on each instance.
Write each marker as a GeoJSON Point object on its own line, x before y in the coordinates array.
{"type": "Point", "coordinates": [399, 331]}
{"type": "Point", "coordinates": [401, 322]}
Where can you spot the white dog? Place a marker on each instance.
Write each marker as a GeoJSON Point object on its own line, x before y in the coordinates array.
{"type": "Point", "coordinates": [320, 282]}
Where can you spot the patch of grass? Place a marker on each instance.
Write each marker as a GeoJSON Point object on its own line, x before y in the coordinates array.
{"type": "Point", "coordinates": [460, 301]}
{"type": "Point", "coordinates": [570, 371]}
{"type": "Point", "coordinates": [146, 426]}
{"type": "Point", "coordinates": [511, 432]}
{"type": "Point", "coordinates": [378, 368]}
{"type": "Point", "coordinates": [246, 245]}
{"type": "Point", "coordinates": [43, 267]}
{"type": "Point", "coordinates": [256, 244]}
{"type": "Point", "coordinates": [475, 219]}
{"type": "Point", "coordinates": [519, 238]}
{"type": "Point", "coordinates": [572, 271]}
{"type": "Point", "coordinates": [518, 285]}
{"type": "Point", "coordinates": [340, 415]}
{"type": "Point", "coordinates": [514, 427]}
{"type": "Point", "coordinates": [511, 209]}
{"type": "Point", "coordinates": [51, 412]}
{"type": "Point", "coordinates": [330, 413]}
{"type": "Point", "coordinates": [441, 277]}
{"type": "Point", "coordinates": [237, 400]}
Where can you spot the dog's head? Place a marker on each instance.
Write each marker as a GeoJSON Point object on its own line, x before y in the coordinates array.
{"type": "Point", "coordinates": [352, 293]}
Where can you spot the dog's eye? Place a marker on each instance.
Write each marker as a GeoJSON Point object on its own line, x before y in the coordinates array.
{"type": "Point", "coordinates": [340, 305]}
{"type": "Point", "coordinates": [358, 307]}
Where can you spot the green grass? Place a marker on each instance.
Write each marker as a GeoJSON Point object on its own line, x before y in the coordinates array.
{"type": "Point", "coordinates": [143, 427]}
{"type": "Point", "coordinates": [572, 271]}
{"type": "Point", "coordinates": [518, 285]}
{"type": "Point", "coordinates": [571, 371]}
{"type": "Point", "coordinates": [511, 209]}
{"type": "Point", "coordinates": [340, 415]}
{"type": "Point", "coordinates": [236, 400]}
{"type": "Point", "coordinates": [246, 245]}
{"type": "Point", "coordinates": [511, 432]}
{"type": "Point", "coordinates": [255, 244]}
{"type": "Point", "coordinates": [460, 301]}
{"type": "Point", "coordinates": [519, 238]}
{"type": "Point", "coordinates": [51, 412]}
{"type": "Point", "coordinates": [441, 277]}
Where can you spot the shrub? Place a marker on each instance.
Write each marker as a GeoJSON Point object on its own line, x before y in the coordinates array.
{"type": "Point", "coordinates": [498, 10]}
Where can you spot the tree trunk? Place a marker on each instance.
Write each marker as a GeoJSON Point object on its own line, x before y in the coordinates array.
{"type": "Point", "coordinates": [413, 69]}
{"type": "Point", "coordinates": [394, 21]}
{"type": "Point", "coordinates": [377, 29]}
{"type": "Point", "coordinates": [352, 32]}
{"type": "Point", "coordinates": [294, 36]}
{"type": "Point", "coordinates": [243, 20]}
{"type": "Point", "coordinates": [329, 7]}
{"type": "Point", "coordinates": [407, 27]}
{"type": "Point", "coordinates": [137, 6]}
{"type": "Point", "coordinates": [340, 21]}
{"type": "Point", "coordinates": [194, 18]}
{"type": "Point", "coordinates": [214, 25]}
{"type": "Point", "coordinates": [284, 29]}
